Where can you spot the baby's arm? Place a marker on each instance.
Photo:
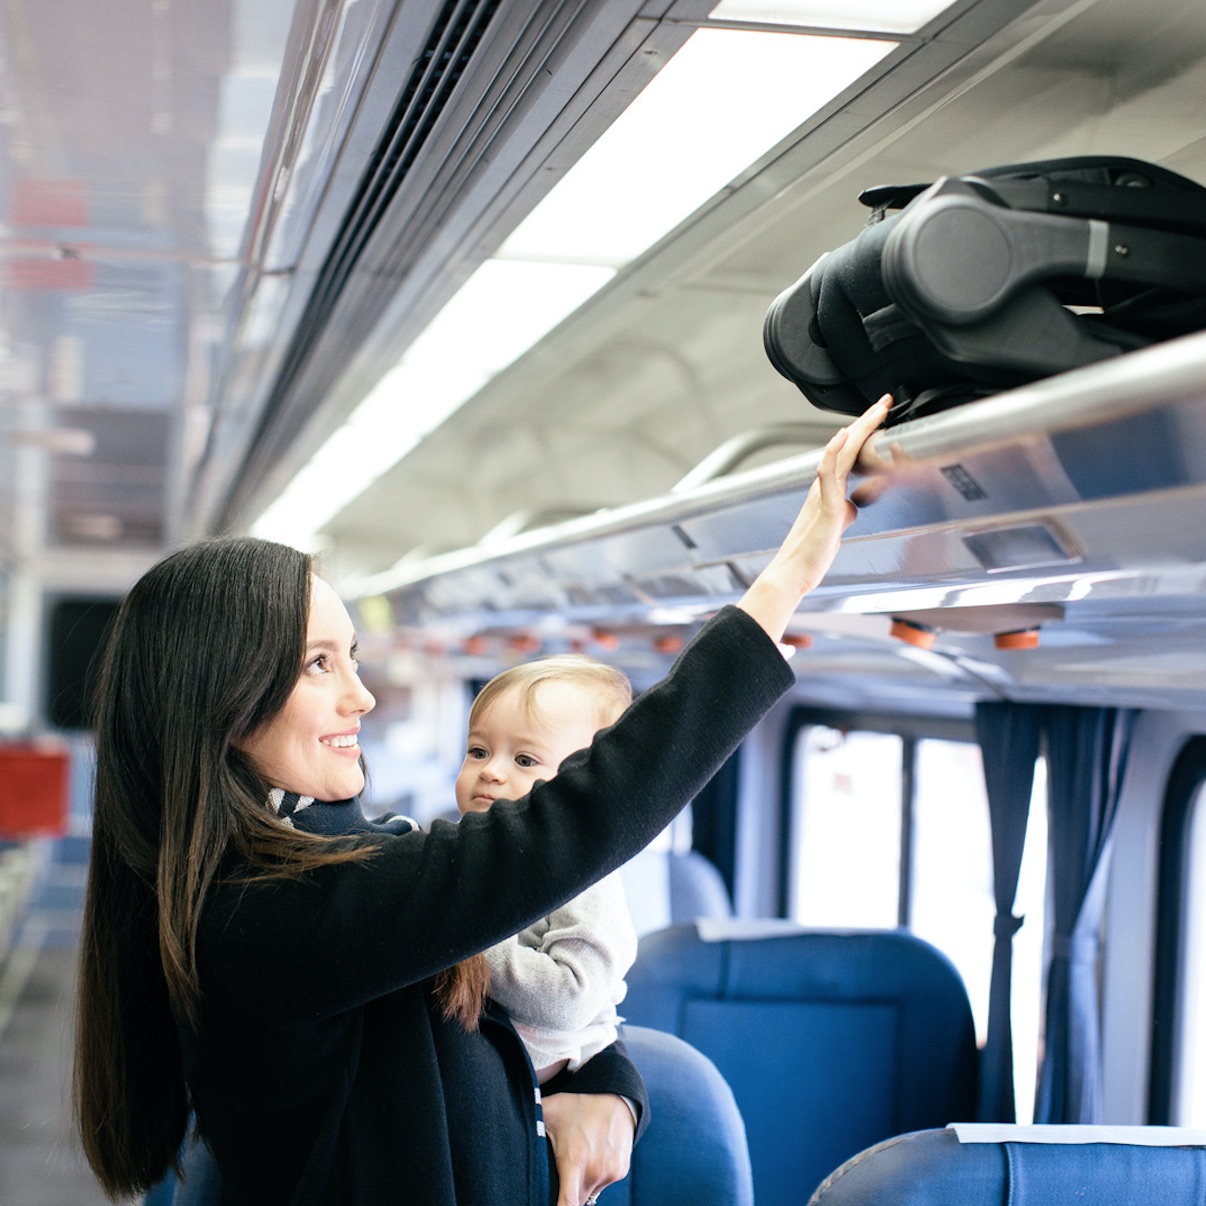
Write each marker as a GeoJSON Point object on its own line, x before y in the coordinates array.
{"type": "Point", "coordinates": [561, 973]}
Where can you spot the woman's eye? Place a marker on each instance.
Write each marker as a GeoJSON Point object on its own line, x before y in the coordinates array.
{"type": "Point", "coordinates": [318, 664]}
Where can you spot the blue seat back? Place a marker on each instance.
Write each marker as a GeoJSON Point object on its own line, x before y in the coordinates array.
{"type": "Point", "coordinates": [935, 1168]}
{"type": "Point", "coordinates": [830, 1041]}
{"type": "Point", "coordinates": [697, 889]}
{"type": "Point", "coordinates": [694, 1149]}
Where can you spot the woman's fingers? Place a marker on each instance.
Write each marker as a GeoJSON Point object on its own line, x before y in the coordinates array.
{"type": "Point", "coordinates": [856, 433]}
{"type": "Point", "coordinates": [842, 453]}
{"type": "Point", "coordinates": [592, 1137]}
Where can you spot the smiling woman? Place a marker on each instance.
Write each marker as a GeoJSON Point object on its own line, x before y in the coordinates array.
{"type": "Point", "coordinates": [311, 746]}
{"type": "Point", "coordinates": [231, 674]}
{"type": "Point", "coordinates": [205, 911]}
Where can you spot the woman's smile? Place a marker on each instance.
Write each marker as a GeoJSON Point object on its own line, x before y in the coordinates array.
{"type": "Point", "coordinates": [343, 742]}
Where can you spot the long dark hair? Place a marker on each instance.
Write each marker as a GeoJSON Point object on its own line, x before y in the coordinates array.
{"type": "Point", "coordinates": [207, 647]}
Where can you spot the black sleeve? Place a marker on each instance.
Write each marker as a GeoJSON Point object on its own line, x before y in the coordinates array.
{"type": "Point", "coordinates": [347, 933]}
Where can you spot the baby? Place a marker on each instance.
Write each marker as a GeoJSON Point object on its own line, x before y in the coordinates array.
{"type": "Point", "coordinates": [561, 979]}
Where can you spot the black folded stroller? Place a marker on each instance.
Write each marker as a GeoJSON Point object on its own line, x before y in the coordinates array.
{"type": "Point", "coordinates": [989, 280]}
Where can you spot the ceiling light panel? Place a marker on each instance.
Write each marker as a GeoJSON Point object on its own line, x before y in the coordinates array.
{"type": "Point", "coordinates": [724, 100]}
{"type": "Point", "coordinates": [878, 16]}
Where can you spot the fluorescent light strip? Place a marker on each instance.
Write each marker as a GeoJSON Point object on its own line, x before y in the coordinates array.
{"type": "Point", "coordinates": [877, 16]}
{"type": "Point", "coordinates": [721, 103]}
{"type": "Point", "coordinates": [724, 100]}
{"type": "Point", "coordinates": [503, 309]}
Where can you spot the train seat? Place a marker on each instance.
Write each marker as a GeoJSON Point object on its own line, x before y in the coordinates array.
{"type": "Point", "coordinates": [18, 867]}
{"type": "Point", "coordinates": [831, 1041]}
{"type": "Point", "coordinates": [694, 1149]}
{"type": "Point", "coordinates": [665, 887]}
{"type": "Point", "coordinates": [988, 1164]}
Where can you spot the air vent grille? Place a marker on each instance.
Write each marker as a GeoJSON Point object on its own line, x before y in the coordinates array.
{"type": "Point", "coordinates": [455, 36]}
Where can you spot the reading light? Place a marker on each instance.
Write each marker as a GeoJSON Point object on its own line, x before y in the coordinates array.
{"type": "Point", "coordinates": [796, 640]}
{"type": "Point", "coordinates": [1022, 638]}
{"type": "Point", "coordinates": [920, 635]}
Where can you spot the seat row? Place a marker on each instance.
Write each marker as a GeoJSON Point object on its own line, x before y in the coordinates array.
{"type": "Point", "coordinates": [791, 1066]}
{"type": "Point", "coordinates": [772, 1054]}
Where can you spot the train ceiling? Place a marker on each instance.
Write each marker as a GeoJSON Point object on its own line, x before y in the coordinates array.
{"type": "Point", "coordinates": [226, 222]}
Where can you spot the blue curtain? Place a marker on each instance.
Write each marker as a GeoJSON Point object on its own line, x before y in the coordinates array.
{"type": "Point", "coordinates": [1009, 736]}
{"type": "Point", "coordinates": [1086, 759]}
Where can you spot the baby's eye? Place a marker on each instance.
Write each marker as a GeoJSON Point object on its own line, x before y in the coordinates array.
{"type": "Point", "coordinates": [526, 761]}
{"type": "Point", "coordinates": [476, 751]}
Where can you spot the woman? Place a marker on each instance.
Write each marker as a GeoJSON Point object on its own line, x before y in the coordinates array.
{"type": "Point", "coordinates": [317, 1002]}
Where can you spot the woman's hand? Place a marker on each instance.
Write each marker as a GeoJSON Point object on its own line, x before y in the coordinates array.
{"type": "Point", "coordinates": [809, 548]}
{"type": "Point", "coordinates": [592, 1136]}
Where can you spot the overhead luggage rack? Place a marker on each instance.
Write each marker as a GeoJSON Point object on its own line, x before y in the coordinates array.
{"type": "Point", "coordinates": [991, 499]}
{"type": "Point", "coordinates": [1079, 495]}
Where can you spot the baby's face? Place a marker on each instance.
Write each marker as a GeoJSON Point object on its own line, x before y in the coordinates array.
{"type": "Point", "coordinates": [508, 750]}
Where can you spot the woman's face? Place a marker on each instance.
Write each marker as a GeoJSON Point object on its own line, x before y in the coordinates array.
{"type": "Point", "coordinates": [311, 746]}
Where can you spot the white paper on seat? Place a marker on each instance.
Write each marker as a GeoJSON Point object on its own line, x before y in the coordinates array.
{"type": "Point", "coordinates": [1142, 1136]}
{"type": "Point", "coordinates": [721, 929]}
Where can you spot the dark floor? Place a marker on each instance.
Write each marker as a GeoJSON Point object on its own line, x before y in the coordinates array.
{"type": "Point", "coordinates": [40, 1159]}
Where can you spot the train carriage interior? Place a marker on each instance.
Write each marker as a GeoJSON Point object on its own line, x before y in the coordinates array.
{"type": "Point", "coordinates": [511, 311]}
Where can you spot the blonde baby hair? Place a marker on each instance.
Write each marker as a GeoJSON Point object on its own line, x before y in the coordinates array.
{"type": "Point", "coordinates": [612, 690]}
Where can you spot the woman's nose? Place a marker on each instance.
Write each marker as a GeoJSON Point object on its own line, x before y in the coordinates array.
{"type": "Point", "coordinates": [359, 698]}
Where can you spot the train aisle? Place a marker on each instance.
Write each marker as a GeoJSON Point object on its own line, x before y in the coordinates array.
{"type": "Point", "coordinates": [40, 1159]}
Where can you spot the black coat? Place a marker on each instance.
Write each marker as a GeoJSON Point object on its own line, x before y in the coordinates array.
{"type": "Point", "coordinates": [322, 1071]}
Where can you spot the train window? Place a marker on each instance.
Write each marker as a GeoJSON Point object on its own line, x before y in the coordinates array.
{"type": "Point", "coordinates": [848, 828]}
{"type": "Point", "coordinates": [951, 900]}
{"type": "Point", "coordinates": [893, 829]}
{"type": "Point", "coordinates": [1189, 1103]}
{"type": "Point", "coordinates": [1177, 1083]}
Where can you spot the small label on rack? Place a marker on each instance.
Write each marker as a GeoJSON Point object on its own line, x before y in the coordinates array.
{"type": "Point", "coordinates": [964, 482]}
